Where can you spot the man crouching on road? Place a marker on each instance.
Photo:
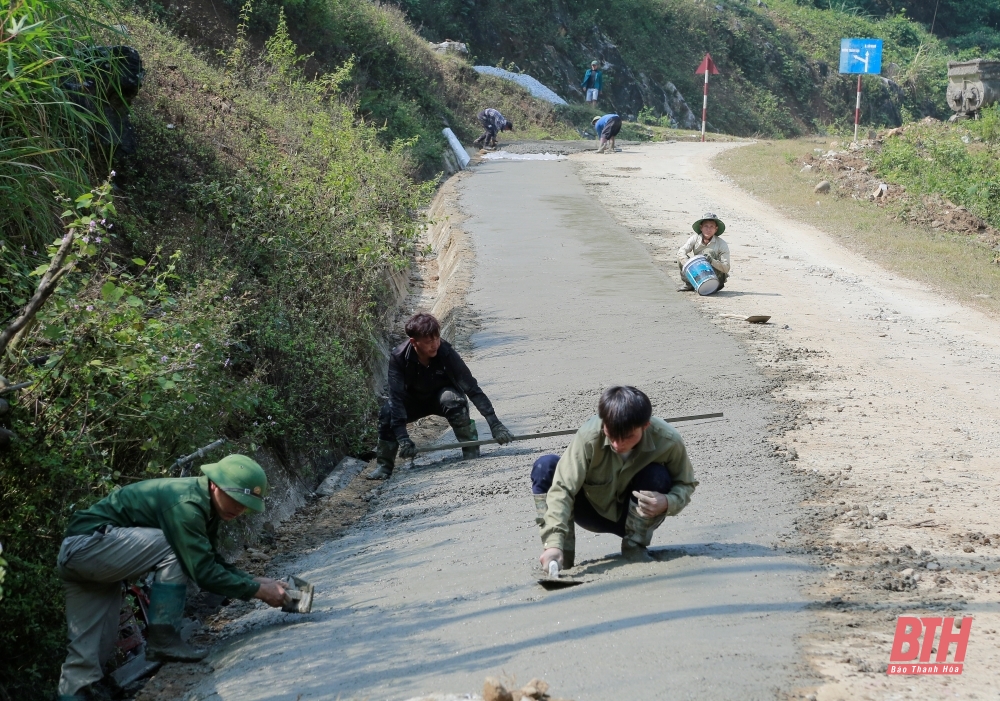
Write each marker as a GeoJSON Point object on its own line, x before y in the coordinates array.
{"type": "Point", "coordinates": [427, 377]}
{"type": "Point", "coordinates": [167, 526]}
{"type": "Point", "coordinates": [624, 473]}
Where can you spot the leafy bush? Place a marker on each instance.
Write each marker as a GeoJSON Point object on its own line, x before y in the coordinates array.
{"type": "Point", "coordinates": [959, 162]}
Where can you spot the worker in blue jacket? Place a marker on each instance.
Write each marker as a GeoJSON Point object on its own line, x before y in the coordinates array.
{"type": "Point", "coordinates": [592, 83]}
{"type": "Point", "coordinates": [607, 128]}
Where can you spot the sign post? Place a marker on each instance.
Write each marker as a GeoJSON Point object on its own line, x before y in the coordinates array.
{"type": "Point", "coordinates": [860, 57]}
{"type": "Point", "coordinates": [706, 66]}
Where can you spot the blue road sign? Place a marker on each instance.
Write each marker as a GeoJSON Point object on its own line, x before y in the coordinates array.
{"type": "Point", "coordinates": [861, 56]}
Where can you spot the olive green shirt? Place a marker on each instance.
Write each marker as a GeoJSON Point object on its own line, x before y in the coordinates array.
{"type": "Point", "coordinates": [182, 509]}
{"type": "Point", "coordinates": [591, 464]}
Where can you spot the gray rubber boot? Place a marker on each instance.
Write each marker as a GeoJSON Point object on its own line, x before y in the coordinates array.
{"type": "Point", "coordinates": [639, 534]}
{"type": "Point", "coordinates": [465, 430]}
{"type": "Point", "coordinates": [163, 634]}
{"type": "Point", "coordinates": [569, 546]}
{"type": "Point", "coordinates": [385, 459]}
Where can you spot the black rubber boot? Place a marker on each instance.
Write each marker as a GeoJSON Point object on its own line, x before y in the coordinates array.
{"type": "Point", "coordinates": [465, 430]}
{"type": "Point", "coordinates": [385, 459]}
{"type": "Point", "coordinates": [163, 634]}
{"type": "Point", "coordinates": [639, 534]}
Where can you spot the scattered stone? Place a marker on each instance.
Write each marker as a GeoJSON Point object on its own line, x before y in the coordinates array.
{"type": "Point", "coordinates": [823, 187]}
{"type": "Point", "coordinates": [968, 549]}
{"type": "Point", "coordinates": [257, 555]}
{"type": "Point", "coordinates": [807, 168]}
{"type": "Point", "coordinates": [535, 689]}
{"type": "Point", "coordinates": [493, 690]}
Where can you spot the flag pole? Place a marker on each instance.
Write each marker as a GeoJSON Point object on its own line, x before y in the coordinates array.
{"type": "Point", "coordinates": [704, 109]}
{"type": "Point", "coordinates": [857, 110]}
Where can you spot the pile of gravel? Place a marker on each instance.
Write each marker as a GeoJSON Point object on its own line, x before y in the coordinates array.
{"type": "Point", "coordinates": [525, 81]}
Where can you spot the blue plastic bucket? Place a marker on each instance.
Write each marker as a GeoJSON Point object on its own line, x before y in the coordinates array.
{"type": "Point", "coordinates": [701, 276]}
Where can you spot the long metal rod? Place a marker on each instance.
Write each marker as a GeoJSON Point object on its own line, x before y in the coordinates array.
{"type": "Point", "coordinates": [548, 434]}
{"type": "Point", "coordinates": [13, 388]}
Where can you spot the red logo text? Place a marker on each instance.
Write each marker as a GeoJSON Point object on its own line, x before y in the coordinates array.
{"type": "Point", "coordinates": [911, 656]}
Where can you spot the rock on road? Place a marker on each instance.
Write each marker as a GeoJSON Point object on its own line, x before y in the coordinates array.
{"type": "Point", "coordinates": [434, 590]}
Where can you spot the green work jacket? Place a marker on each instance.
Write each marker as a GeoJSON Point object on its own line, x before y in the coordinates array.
{"type": "Point", "coordinates": [182, 509]}
{"type": "Point", "coordinates": [591, 464]}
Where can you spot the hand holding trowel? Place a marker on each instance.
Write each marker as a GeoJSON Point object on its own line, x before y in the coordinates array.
{"type": "Point", "coordinates": [555, 579]}
{"type": "Point", "coordinates": [298, 596]}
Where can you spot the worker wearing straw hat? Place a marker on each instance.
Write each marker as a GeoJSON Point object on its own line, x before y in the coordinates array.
{"type": "Point", "coordinates": [706, 242]}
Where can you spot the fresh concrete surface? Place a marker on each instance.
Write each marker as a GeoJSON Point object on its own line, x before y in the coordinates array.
{"type": "Point", "coordinates": [435, 589]}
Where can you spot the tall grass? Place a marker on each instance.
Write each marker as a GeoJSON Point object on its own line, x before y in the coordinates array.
{"type": "Point", "coordinates": [48, 124]}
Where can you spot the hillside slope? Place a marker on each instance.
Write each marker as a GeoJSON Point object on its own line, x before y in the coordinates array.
{"type": "Point", "coordinates": [778, 59]}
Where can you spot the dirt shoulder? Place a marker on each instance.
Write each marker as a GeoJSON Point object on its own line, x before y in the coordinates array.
{"type": "Point", "coordinates": [891, 394]}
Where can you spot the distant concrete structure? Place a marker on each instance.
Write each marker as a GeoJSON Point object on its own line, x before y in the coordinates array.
{"type": "Point", "coordinates": [451, 47]}
{"type": "Point", "coordinates": [972, 85]}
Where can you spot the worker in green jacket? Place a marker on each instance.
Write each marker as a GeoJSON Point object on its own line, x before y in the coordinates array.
{"type": "Point", "coordinates": [166, 526]}
{"type": "Point", "coordinates": [624, 473]}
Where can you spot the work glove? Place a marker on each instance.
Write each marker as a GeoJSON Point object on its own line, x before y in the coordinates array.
{"type": "Point", "coordinates": [406, 448]}
{"type": "Point", "coordinates": [500, 433]}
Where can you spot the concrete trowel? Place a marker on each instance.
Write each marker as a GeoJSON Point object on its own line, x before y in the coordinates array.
{"type": "Point", "coordinates": [555, 581]}
{"type": "Point", "coordinates": [298, 596]}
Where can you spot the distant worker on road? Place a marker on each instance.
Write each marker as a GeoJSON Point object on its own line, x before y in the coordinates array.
{"type": "Point", "coordinates": [607, 128]}
{"type": "Point", "coordinates": [592, 83]}
{"type": "Point", "coordinates": [706, 242]}
{"type": "Point", "coordinates": [428, 377]}
{"type": "Point", "coordinates": [624, 473]}
{"type": "Point", "coordinates": [494, 123]}
{"type": "Point", "coordinates": [166, 526]}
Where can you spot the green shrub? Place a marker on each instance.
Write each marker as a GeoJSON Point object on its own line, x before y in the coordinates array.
{"type": "Point", "coordinates": [958, 162]}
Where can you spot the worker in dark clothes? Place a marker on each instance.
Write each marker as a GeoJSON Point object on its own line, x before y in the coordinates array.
{"type": "Point", "coordinates": [494, 123]}
{"type": "Point", "coordinates": [166, 526]}
{"type": "Point", "coordinates": [427, 377]}
{"type": "Point", "coordinates": [607, 128]}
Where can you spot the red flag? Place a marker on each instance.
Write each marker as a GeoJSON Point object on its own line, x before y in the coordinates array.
{"type": "Point", "coordinates": [707, 65]}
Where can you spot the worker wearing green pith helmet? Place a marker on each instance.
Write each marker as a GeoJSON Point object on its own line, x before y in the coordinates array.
{"type": "Point", "coordinates": [169, 527]}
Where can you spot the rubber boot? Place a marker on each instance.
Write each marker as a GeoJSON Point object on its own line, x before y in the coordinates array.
{"type": "Point", "coordinates": [163, 635]}
{"type": "Point", "coordinates": [467, 432]}
{"type": "Point", "coordinates": [639, 534]}
{"type": "Point", "coordinates": [569, 545]}
{"type": "Point", "coordinates": [385, 459]}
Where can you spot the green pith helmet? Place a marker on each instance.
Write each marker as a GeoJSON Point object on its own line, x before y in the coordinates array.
{"type": "Point", "coordinates": [241, 478]}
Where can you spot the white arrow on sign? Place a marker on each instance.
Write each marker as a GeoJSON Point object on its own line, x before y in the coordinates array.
{"type": "Point", "coordinates": [864, 60]}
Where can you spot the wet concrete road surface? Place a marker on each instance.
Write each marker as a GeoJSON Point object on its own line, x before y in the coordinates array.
{"type": "Point", "coordinates": [435, 589]}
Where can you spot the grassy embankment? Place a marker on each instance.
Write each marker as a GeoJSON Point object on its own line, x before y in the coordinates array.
{"type": "Point", "coordinates": [233, 281]}
{"type": "Point", "coordinates": [928, 160]}
{"type": "Point", "coordinates": [778, 62]}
